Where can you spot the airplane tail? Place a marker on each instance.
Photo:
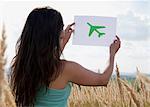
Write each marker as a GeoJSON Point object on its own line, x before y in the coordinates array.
{"type": "Point", "coordinates": [101, 34]}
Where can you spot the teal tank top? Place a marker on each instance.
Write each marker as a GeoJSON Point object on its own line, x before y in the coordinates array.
{"type": "Point", "coordinates": [53, 97]}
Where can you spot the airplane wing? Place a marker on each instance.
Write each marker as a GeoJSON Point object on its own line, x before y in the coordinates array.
{"type": "Point", "coordinates": [98, 27]}
{"type": "Point", "coordinates": [91, 31]}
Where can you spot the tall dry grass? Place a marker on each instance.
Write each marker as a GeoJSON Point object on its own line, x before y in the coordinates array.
{"type": "Point", "coordinates": [118, 93]}
{"type": "Point", "coordinates": [6, 97]}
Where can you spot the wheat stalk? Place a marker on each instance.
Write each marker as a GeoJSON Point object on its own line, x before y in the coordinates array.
{"type": "Point", "coordinates": [120, 86]}
{"type": "Point", "coordinates": [133, 94]}
{"type": "Point", "coordinates": [6, 97]}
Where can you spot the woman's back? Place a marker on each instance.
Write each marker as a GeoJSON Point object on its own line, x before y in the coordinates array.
{"type": "Point", "coordinates": [57, 93]}
{"type": "Point", "coordinates": [53, 97]}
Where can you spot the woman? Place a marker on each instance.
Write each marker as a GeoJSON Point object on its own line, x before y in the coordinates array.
{"type": "Point", "coordinates": [39, 77]}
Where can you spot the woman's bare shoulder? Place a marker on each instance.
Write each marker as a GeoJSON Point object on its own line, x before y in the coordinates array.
{"type": "Point", "coordinates": [68, 65]}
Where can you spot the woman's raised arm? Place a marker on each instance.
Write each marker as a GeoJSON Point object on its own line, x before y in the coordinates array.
{"type": "Point", "coordinates": [82, 76]}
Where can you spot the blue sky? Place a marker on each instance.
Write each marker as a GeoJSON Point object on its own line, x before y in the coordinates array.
{"type": "Point", "coordinates": [133, 28]}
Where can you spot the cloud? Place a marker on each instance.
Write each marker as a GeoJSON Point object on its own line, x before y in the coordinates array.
{"type": "Point", "coordinates": [133, 27]}
{"type": "Point", "coordinates": [136, 50]}
{"type": "Point", "coordinates": [141, 7]}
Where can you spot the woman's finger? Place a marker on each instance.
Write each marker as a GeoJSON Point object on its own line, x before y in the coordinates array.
{"type": "Point", "coordinates": [117, 38]}
{"type": "Point", "coordinates": [72, 24]}
{"type": "Point", "coordinates": [69, 26]}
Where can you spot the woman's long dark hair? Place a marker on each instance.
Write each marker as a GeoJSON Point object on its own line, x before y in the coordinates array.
{"type": "Point", "coordinates": [37, 61]}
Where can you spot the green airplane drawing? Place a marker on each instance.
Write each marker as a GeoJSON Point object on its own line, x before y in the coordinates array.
{"type": "Point", "coordinates": [94, 28]}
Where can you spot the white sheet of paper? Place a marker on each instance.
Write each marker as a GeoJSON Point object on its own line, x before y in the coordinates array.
{"type": "Point", "coordinates": [82, 28]}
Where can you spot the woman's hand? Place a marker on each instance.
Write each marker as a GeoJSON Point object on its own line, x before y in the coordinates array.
{"type": "Point", "coordinates": [68, 32]}
{"type": "Point", "coordinates": [114, 47]}
{"type": "Point", "coordinates": [65, 36]}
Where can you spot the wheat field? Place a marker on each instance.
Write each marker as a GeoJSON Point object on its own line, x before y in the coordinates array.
{"type": "Point", "coordinates": [118, 93]}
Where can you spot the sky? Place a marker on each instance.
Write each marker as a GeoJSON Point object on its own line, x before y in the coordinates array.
{"type": "Point", "coordinates": [133, 28]}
